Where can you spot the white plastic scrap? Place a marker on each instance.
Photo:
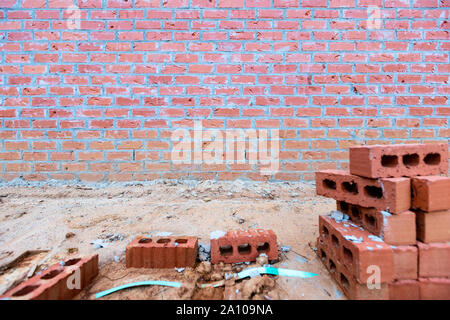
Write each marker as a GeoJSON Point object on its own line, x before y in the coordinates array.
{"type": "Point", "coordinates": [369, 248]}
{"type": "Point", "coordinates": [285, 248]}
{"type": "Point", "coordinates": [254, 273]}
{"type": "Point", "coordinates": [179, 269]}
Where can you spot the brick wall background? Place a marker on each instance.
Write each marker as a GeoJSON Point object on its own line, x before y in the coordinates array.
{"type": "Point", "coordinates": [95, 93]}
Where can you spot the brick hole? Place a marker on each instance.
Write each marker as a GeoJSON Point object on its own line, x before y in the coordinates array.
{"type": "Point", "coordinates": [432, 159]}
{"type": "Point", "coordinates": [344, 281]}
{"type": "Point", "coordinates": [332, 266]}
{"type": "Point", "coordinates": [356, 213]}
{"type": "Point", "coordinates": [323, 255]}
{"type": "Point", "coordinates": [263, 247]}
{"type": "Point", "coordinates": [370, 220]}
{"type": "Point", "coordinates": [335, 241]}
{"type": "Point", "coordinates": [343, 206]}
{"type": "Point", "coordinates": [71, 262]}
{"type": "Point", "coordinates": [325, 232]}
{"type": "Point", "coordinates": [51, 274]}
{"type": "Point", "coordinates": [145, 240]}
{"type": "Point", "coordinates": [373, 192]}
{"type": "Point", "coordinates": [181, 241]}
{"type": "Point", "coordinates": [348, 256]}
{"type": "Point", "coordinates": [350, 187]}
{"type": "Point", "coordinates": [329, 184]}
{"type": "Point", "coordinates": [26, 290]}
{"type": "Point", "coordinates": [389, 161]}
{"type": "Point", "coordinates": [411, 160]}
{"type": "Point", "coordinates": [226, 250]}
{"type": "Point", "coordinates": [164, 240]}
{"type": "Point", "coordinates": [244, 248]}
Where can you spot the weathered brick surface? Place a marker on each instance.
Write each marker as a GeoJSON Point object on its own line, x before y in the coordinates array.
{"type": "Point", "coordinates": [404, 290]}
{"type": "Point", "coordinates": [95, 94]}
{"type": "Point", "coordinates": [242, 246]}
{"type": "Point", "coordinates": [434, 260]}
{"type": "Point", "coordinates": [162, 252]}
{"type": "Point", "coordinates": [394, 229]}
{"type": "Point", "coordinates": [434, 288]}
{"type": "Point", "coordinates": [402, 160]}
{"type": "Point", "coordinates": [433, 226]}
{"type": "Point", "coordinates": [52, 284]}
{"type": "Point", "coordinates": [388, 194]}
{"type": "Point", "coordinates": [430, 193]}
{"type": "Point", "coordinates": [356, 249]}
{"type": "Point", "coordinates": [347, 282]}
{"type": "Point", "coordinates": [405, 262]}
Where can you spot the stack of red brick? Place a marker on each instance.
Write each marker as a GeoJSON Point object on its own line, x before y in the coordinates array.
{"type": "Point", "coordinates": [390, 238]}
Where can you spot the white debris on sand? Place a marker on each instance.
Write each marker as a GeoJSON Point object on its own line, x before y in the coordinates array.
{"type": "Point", "coordinates": [217, 234]}
{"type": "Point", "coordinates": [97, 243]}
{"type": "Point", "coordinates": [204, 252]}
{"type": "Point", "coordinates": [163, 234]}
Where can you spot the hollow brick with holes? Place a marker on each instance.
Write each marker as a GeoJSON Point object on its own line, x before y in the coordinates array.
{"type": "Point", "coordinates": [357, 249]}
{"type": "Point", "coordinates": [162, 252]}
{"type": "Point", "coordinates": [52, 284]}
{"type": "Point", "coordinates": [388, 194]}
{"type": "Point", "coordinates": [243, 246]}
{"type": "Point", "coordinates": [346, 281]}
{"type": "Point", "coordinates": [395, 229]}
{"type": "Point", "coordinates": [399, 160]}
{"type": "Point", "coordinates": [430, 193]}
{"type": "Point", "coordinates": [434, 260]}
{"type": "Point", "coordinates": [433, 226]}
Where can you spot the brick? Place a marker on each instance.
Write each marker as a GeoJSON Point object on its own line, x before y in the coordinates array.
{"type": "Point", "coordinates": [405, 262]}
{"type": "Point", "coordinates": [434, 260]}
{"type": "Point", "coordinates": [389, 194]}
{"type": "Point", "coordinates": [434, 288]}
{"type": "Point", "coordinates": [162, 252]}
{"type": "Point", "coordinates": [404, 290]}
{"type": "Point", "coordinates": [381, 161]}
{"type": "Point", "coordinates": [430, 193]}
{"type": "Point", "coordinates": [351, 288]}
{"type": "Point", "coordinates": [395, 229]}
{"type": "Point", "coordinates": [243, 246]}
{"type": "Point", "coordinates": [52, 284]}
{"type": "Point", "coordinates": [357, 255]}
{"type": "Point", "coordinates": [433, 226]}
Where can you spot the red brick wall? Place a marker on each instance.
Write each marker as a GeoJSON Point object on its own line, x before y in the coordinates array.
{"type": "Point", "coordinates": [93, 89]}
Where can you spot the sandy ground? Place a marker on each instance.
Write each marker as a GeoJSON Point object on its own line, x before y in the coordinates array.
{"type": "Point", "coordinates": [64, 220]}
